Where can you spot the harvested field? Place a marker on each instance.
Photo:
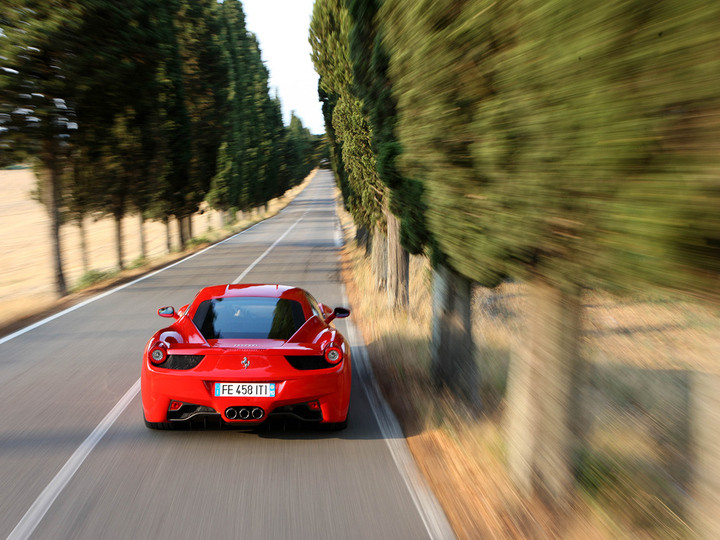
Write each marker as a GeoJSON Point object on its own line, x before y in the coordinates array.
{"type": "Point", "coordinates": [26, 275]}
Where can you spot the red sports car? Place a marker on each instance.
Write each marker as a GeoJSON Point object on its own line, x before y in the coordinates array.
{"type": "Point", "coordinates": [244, 353]}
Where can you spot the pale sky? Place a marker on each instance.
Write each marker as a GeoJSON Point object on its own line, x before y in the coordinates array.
{"type": "Point", "coordinates": [282, 27]}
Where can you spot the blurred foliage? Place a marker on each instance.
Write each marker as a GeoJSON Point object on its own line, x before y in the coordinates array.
{"type": "Point", "coordinates": [138, 262]}
{"type": "Point", "coordinates": [346, 123]}
{"type": "Point", "coordinates": [565, 144]}
{"type": "Point", "coordinates": [372, 85]}
{"type": "Point", "coordinates": [148, 106]}
{"type": "Point", "coordinates": [329, 101]}
{"type": "Point", "coordinates": [93, 277]}
{"type": "Point", "coordinates": [580, 140]}
{"type": "Point", "coordinates": [199, 241]}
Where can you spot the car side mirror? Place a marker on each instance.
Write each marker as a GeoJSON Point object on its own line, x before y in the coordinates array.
{"type": "Point", "coordinates": [168, 312]}
{"type": "Point", "coordinates": [338, 313]}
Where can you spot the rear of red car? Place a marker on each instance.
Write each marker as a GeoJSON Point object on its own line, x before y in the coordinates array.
{"type": "Point", "coordinates": [242, 358]}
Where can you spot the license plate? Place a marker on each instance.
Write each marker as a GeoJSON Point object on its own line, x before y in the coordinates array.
{"type": "Point", "coordinates": [245, 389]}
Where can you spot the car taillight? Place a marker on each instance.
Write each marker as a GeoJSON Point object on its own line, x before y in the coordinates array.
{"type": "Point", "coordinates": [333, 354]}
{"type": "Point", "coordinates": [158, 353]}
{"type": "Point", "coordinates": [182, 361]}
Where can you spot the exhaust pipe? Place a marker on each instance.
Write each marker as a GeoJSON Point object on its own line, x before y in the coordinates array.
{"type": "Point", "coordinates": [244, 413]}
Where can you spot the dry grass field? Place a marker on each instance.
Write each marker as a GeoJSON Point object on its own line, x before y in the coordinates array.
{"type": "Point", "coordinates": [634, 470]}
{"type": "Point", "coordinates": [26, 275]}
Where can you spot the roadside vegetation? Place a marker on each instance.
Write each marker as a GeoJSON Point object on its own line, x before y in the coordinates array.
{"type": "Point", "coordinates": [93, 277]}
{"type": "Point", "coordinates": [152, 108]}
{"type": "Point", "coordinates": [634, 470]}
{"type": "Point", "coordinates": [557, 157]}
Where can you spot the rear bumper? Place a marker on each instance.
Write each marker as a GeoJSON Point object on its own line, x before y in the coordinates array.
{"type": "Point", "coordinates": [190, 414]}
{"type": "Point", "coordinates": [331, 388]}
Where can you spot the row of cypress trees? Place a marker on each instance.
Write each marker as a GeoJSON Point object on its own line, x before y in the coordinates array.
{"type": "Point", "coordinates": [145, 106]}
{"type": "Point", "coordinates": [563, 144]}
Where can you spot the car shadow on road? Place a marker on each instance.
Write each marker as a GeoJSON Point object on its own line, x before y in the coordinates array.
{"type": "Point", "coordinates": [288, 429]}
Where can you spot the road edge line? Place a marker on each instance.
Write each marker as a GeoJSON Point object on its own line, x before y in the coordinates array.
{"type": "Point", "coordinates": [427, 505]}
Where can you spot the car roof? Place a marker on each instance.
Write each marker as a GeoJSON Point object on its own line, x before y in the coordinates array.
{"type": "Point", "coordinates": [251, 290]}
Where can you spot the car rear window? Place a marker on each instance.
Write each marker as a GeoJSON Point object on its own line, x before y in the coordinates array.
{"type": "Point", "coordinates": [249, 318]}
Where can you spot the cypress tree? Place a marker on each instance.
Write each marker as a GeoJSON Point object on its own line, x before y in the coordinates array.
{"type": "Point", "coordinates": [301, 144]}
{"type": "Point", "coordinates": [329, 35]}
{"type": "Point", "coordinates": [175, 127]}
{"type": "Point", "coordinates": [224, 186]}
{"type": "Point", "coordinates": [234, 40]}
{"type": "Point", "coordinates": [38, 99]}
{"type": "Point", "coordinates": [205, 79]}
{"type": "Point", "coordinates": [329, 101]}
{"type": "Point", "coordinates": [278, 134]}
{"type": "Point", "coordinates": [405, 216]}
{"type": "Point", "coordinates": [561, 144]}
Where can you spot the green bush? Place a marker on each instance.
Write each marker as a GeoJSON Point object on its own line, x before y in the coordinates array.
{"type": "Point", "coordinates": [198, 241]}
{"type": "Point", "coordinates": [92, 277]}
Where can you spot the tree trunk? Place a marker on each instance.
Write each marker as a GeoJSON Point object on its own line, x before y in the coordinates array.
{"type": "Point", "coordinates": [119, 241]}
{"type": "Point", "coordinates": [168, 235]}
{"type": "Point", "coordinates": [83, 244]}
{"type": "Point", "coordinates": [398, 266]}
{"type": "Point", "coordinates": [453, 362]}
{"type": "Point", "coordinates": [362, 238]}
{"type": "Point", "coordinates": [189, 226]}
{"type": "Point", "coordinates": [706, 437]}
{"type": "Point", "coordinates": [54, 201]}
{"type": "Point", "coordinates": [143, 241]}
{"type": "Point", "coordinates": [379, 259]}
{"type": "Point", "coordinates": [543, 395]}
{"type": "Point", "coordinates": [181, 232]}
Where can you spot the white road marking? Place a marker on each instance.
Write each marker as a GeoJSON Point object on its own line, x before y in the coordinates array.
{"type": "Point", "coordinates": [431, 513]}
{"type": "Point", "coordinates": [268, 250]}
{"type": "Point", "coordinates": [42, 504]}
{"type": "Point", "coordinates": [433, 517]}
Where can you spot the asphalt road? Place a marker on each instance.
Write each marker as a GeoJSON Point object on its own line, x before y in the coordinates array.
{"type": "Point", "coordinates": [75, 464]}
